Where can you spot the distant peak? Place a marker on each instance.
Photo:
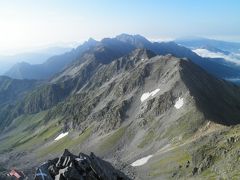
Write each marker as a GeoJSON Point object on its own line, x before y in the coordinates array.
{"type": "Point", "coordinates": [132, 38]}
{"type": "Point", "coordinates": [91, 41]}
{"type": "Point", "coordinates": [124, 35]}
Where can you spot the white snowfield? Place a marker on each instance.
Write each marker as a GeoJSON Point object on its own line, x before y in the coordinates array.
{"type": "Point", "coordinates": [141, 161]}
{"type": "Point", "coordinates": [145, 96]}
{"type": "Point", "coordinates": [60, 136]}
{"type": "Point", "coordinates": [179, 103]}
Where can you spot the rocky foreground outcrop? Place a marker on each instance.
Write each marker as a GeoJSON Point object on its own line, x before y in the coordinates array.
{"type": "Point", "coordinates": [72, 167]}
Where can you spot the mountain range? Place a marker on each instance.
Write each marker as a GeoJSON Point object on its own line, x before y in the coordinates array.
{"type": "Point", "coordinates": [196, 42]}
{"type": "Point", "coordinates": [217, 65]}
{"type": "Point", "coordinates": [226, 53]}
{"type": "Point", "coordinates": [37, 56]}
{"type": "Point", "coordinates": [154, 110]}
{"type": "Point", "coordinates": [52, 65]}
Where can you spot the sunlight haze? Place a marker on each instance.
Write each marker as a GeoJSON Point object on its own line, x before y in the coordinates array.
{"type": "Point", "coordinates": [27, 24]}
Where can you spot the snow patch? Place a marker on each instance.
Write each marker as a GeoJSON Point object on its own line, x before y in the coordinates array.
{"type": "Point", "coordinates": [60, 136]}
{"type": "Point", "coordinates": [145, 96]}
{"type": "Point", "coordinates": [155, 92]}
{"type": "Point", "coordinates": [179, 103]}
{"type": "Point", "coordinates": [141, 161]}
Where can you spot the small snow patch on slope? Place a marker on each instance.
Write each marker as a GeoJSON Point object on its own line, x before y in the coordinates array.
{"type": "Point", "coordinates": [141, 161]}
{"type": "Point", "coordinates": [179, 103]}
{"type": "Point", "coordinates": [145, 96]}
{"type": "Point", "coordinates": [60, 136]}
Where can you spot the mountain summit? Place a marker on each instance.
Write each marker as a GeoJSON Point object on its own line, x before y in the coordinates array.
{"type": "Point", "coordinates": [120, 46]}
{"type": "Point", "coordinates": [135, 40]}
{"type": "Point", "coordinates": [150, 112]}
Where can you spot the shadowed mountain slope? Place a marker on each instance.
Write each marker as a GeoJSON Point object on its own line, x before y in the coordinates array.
{"type": "Point", "coordinates": [125, 104]}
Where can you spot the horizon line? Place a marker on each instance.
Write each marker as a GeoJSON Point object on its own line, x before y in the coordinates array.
{"type": "Point", "coordinates": [75, 44]}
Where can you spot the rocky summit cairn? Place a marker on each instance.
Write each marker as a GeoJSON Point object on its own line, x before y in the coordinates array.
{"type": "Point", "coordinates": [81, 167]}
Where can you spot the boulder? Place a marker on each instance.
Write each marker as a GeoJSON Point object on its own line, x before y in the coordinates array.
{"type": "Point", "coordinates": [81, 167]}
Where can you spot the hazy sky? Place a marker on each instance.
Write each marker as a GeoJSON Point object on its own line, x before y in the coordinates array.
{"type": "Point", "coordinates": [33, 23]}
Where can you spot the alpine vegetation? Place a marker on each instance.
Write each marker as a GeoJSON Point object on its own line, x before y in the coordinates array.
{"type": "Point", "coordinates": [119, 106]}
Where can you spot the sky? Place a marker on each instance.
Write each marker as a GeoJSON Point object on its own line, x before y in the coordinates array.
{"type": "Point", "coordinates": [26, 24]}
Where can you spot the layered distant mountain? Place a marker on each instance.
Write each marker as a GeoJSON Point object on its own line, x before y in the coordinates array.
{"type": "Point", "coordinates": [155, 110]}
{"type": "Point", "coordinates": [195, 43]}
{"type": "Point", "coordinates": [215, 65]}
{"type": "Point", "coordinates": [35, 57]}
{"type": "Point", "coordinates": [49, 67]}
{"type": "Point", "coordinates": [225, 53]}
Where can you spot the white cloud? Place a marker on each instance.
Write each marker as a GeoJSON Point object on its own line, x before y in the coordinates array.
{"type": "Point", "coordinates": [232, 57]}
{"type": "Point", "coordinates": [233, 79]}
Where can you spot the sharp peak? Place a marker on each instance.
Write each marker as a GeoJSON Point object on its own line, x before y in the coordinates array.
{"type": "Point", "coordinates": [87, 44]}
{"type": "Point", "coordinates": [90, 41]}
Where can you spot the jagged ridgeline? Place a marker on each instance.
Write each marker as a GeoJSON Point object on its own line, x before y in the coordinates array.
{"type": "Point", "coordinates": [125, 99]}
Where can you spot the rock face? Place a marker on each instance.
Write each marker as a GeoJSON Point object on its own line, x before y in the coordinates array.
{"type": "Point", "coordinates": [96, 63]}
{"type": "Point", "coordinates": [99, 82]}
{"type": "Point", "coordinates": [107, 92]}
{"type": "Point", "coordinates": [125, 103]}
{"type": "Point", "coordinates": [11, 91]}
{"type": "Point", "coordinates": [73, 167]}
